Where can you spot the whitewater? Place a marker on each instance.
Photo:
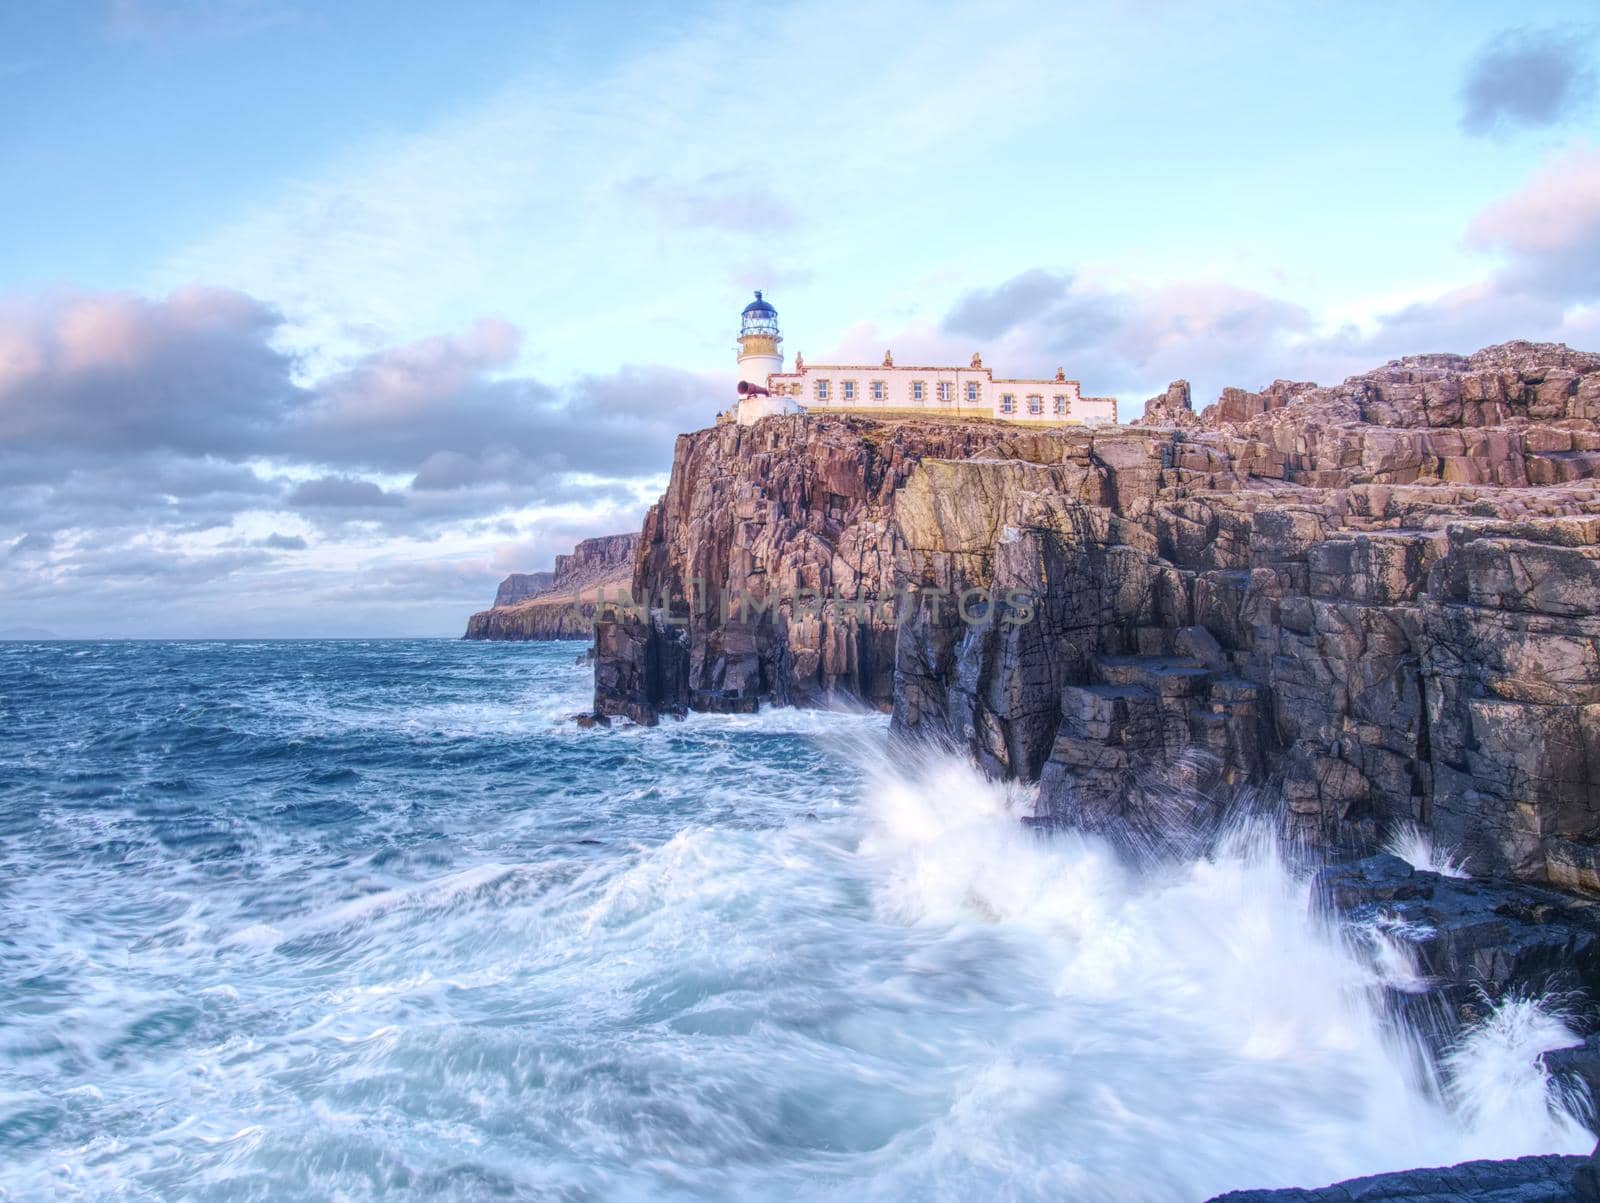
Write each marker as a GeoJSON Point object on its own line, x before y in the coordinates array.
{"type": "Point", "coordinates": [347, 920]}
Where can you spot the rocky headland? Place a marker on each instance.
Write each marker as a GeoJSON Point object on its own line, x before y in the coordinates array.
{"type": "Point", "coordinates": [559, 604]}
{"type": "Point", "coordinates": [1357, 610]}
{"type": "Point", "coordinates": [1380, 597]}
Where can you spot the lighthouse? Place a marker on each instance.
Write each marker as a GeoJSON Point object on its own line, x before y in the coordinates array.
{"type": "Point", "coordinates": [759, 358]}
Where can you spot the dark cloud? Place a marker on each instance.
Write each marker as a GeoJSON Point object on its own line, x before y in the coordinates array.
{"type": "Point", "coordinates": [1528, 77]}
{"type": "Point", "coordinates": [340, 492]}
{"type": "Point", "coordinates": [281, 542]}
{"type": "Point", "coordinates": [116, 408]}
{"type": "Point", "coordinates": [129, 424]}
{"type": "Point", "coordinates": [116, 373]}
{"type": "Point", "coordinates": [31, 545]}
{"type": "Point", "coordinates": [164, 566]}
{"type": "Point", "coordinates": [61, 491]}
{"type": "Point", "coordinates": [1019, 301]}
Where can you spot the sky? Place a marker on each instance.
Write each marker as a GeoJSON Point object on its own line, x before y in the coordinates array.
{"type": "Point", "coordinates": [317, 320]}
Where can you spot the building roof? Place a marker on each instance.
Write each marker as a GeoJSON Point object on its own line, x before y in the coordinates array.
{"type": "Point", "coordinates": [759, 306]}
{"type": "Point", "coordinates": [871, 369]}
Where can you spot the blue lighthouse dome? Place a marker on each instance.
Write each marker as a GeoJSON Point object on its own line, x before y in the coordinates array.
{"type": "Point", "coordinates": [760, 319]}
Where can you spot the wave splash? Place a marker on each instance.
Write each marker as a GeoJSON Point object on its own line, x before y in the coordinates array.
{"type": "Point", "coordinates": [1209, 1032]}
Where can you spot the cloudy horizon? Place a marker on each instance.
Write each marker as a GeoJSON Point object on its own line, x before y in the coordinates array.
{"type": "Point", "coordinates": [299, 346]}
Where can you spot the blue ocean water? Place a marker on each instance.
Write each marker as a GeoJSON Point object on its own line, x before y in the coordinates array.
{"type": "Point", "coordinates": [346, 920]}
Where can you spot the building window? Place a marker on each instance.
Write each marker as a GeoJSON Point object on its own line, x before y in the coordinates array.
{"type": "Point", "coordinates": [919, 391]}
{"type": "Point", "coordinates": [947, 392]}
{"type": "Point", "coordinates": [822, 390]}
{"type": "Point", "coordinates": [1008, 403]}
{"type": "Point", "coordinates": [847, 391]}
{"type": "Point", "coordinates": [1035, 403]}
{"type": "Point", "coordinates": [878, 390]}
{"type": "Point", "coordinates": [972, 392]}
{"type": "Point", "coordinates": [1060, 403]}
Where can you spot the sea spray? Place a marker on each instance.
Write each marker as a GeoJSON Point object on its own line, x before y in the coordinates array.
{"type": "Point", "coordinates": [1414, 846]}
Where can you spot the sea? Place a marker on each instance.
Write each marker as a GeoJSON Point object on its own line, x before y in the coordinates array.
{"type": "Point", "coordinates": [356, 920]}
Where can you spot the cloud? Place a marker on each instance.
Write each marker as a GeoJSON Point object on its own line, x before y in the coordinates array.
{"type": "Point", "coordinates": [1549, 229]}
{"type": "Point", "coordinates": [196, 386]}
{"type": "Point", "coordinates": [340, 492]}
{"type": "Point", "coordinates": [147, 440]}
{"type": "Point", "coordinates": [992, 312]}
{"type": "Point", "coordinates": [162, 565]}
{"type": "Point", "coordinates": [1121, 340]}
{"type": "Point", "coordinates": [116, 372]}
{"type": "Point", "coordinates": [729, 201]}
{"type": "Point", "coordinates": [281, 542]}
{"type": "Point", "coordinates": [1528, 77]}
{"type": "Point", "coordinates": [30, 545]}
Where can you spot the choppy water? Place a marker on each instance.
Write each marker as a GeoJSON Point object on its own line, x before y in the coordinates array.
{"type": "Point", "coordinates": [359, 920]}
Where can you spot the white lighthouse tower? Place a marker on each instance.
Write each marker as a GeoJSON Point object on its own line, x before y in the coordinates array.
{"type": "Point", "coordinates": [759, 358]}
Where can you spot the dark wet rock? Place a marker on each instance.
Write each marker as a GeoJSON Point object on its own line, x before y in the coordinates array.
{"type": "Point", "coordinates": [1524, 1180]}
{"type": "Point", "coordinates": [1576, 1071]}
{"type": "Point", "coordinates": [1475, 940]}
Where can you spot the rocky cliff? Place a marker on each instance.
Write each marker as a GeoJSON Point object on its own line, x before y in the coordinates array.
{"type": "Point", "coordinates": [559, 604]}
{"type": "Point", "coordinates": [1383, 597]}
{"type": "Point", "coordinates": [754, 516]}
{"type": "Point", "coordinates": [523, 586]}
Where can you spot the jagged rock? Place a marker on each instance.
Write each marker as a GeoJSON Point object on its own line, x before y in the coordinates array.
{"type": "Point", "coordinates": [1387, 592]}
{"type": "Point", "coordinates": [1546, 1179]}
{"type": "Point", "coordinates": [1171, 408]}
{"type": "Point", "coordinates": [1475, 940]}
{"type": "Point", "coordinates": [565, 607]}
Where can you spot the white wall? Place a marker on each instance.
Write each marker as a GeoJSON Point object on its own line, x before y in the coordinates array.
{"type": "Point", "coordinates": [898, 384]}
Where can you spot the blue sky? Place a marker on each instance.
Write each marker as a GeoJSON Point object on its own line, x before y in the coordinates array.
{"type": "Point", "coordinates": [414, 248]}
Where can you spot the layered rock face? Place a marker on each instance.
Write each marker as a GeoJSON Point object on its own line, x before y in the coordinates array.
{"type": "Point", "coordinates": [1382, 597]}
{"type": "Point", "coordinates": [595, 560]}
{"type": "Point", "coordinates": [753, 517]}
{"type": "Point", "coordinates": [559, 604]}
{"type": "Point", "coordinates": [522, 586]}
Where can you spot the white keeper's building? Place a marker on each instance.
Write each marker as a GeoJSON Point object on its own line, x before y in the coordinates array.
{"type": "Point", "coordinates": [896, 389]}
